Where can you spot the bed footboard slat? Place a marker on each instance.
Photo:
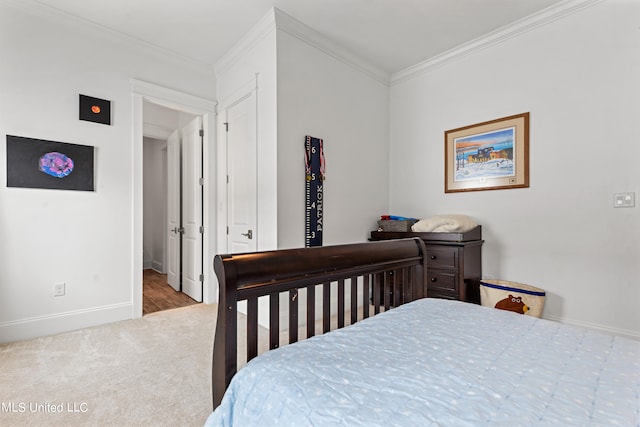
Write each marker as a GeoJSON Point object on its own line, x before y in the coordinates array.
{"type": "Point", "coordinates": [376, 293]}
{"type": "Point", "coordinates": [311, 311]}
{"type": "Point", "coordinates": [293, 316]}
{"type": "Point", "coordinates": [406, 290]}
{"type": "Point", "coordinates": [397, 293]}
{"type": "Point", "coordinates": [365, 296]}
{"type": "Point", "coordinates": [354, 300]}
{"type": "Point", "coordinates": [274, 321]}
{"type": "Point", "coordinates": [386, 286]}
{"type": "Point", "coordinates": [252, 328]}
{"type": "Point", "coordinates": [340, 303]}
{"type": "Point", "coordinates": [326, 307]}
{"type": "Point", "coordinates": [393, 272]}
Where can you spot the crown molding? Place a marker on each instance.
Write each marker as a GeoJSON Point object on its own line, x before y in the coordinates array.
{"type": "Point", "coordinates": [515, 29]}
{"type": "Point", "coordinates": [61, 17]}
{"type": "Point", "coordinates": [303, 32]}
{"type": "Point", "coordinates": [256, 34]}
{"type": "Point", "coordinates": [276, 19]}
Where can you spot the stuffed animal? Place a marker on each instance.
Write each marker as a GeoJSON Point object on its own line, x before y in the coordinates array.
{"type": "Point", "coordinates": [512, 304]}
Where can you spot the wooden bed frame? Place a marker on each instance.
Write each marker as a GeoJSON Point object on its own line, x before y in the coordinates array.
{"type": "Point", "coordinates": [390, 272]}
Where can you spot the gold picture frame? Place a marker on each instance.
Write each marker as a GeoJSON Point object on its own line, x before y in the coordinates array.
{"type": "Point", "coordinates": [492, 155]}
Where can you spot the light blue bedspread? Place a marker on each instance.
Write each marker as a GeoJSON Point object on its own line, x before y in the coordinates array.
{"type": "Point", "coordinates": [441, 363]}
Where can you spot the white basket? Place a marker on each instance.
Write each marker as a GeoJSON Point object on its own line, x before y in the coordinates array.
{"type": "Point", "coordinates": [512, 296]}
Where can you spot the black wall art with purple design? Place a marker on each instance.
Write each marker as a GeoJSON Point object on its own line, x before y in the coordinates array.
{"type": "Point", "coordinates": [37, 163]}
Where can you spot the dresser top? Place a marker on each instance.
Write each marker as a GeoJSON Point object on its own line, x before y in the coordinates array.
{"type": "Point", "coordinates": [471, 235]}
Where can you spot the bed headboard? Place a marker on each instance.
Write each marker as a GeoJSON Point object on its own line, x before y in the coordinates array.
{"type": "Point", "coordinates": [380, 275]}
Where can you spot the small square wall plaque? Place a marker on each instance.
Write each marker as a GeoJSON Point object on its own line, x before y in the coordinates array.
{"type": "Point", "coordinates": [95, 110]}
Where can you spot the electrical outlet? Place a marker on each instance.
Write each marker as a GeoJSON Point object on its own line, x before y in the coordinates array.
{"type": "Point", "coordinates": [58, 289]}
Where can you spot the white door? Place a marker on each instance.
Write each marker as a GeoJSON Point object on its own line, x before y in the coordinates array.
{"type": "Point", "coordinates": [241, 170]}
{"type": "Point", "coordinates": [192, 209]}
{"type": "Point", "coordinates": [173, 210]}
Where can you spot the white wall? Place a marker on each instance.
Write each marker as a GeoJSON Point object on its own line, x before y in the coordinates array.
{"type": "Point", "coordinates": [578, 77]}
{"type": "Point", "coordinates": [154, 204]}
{"type": "Point", "coordinates": [325, 97]}
{"type": "Point", "coordinates": [81, 238]}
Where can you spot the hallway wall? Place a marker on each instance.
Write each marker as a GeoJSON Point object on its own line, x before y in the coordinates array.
{"type": "Point", "coordinates": [155, 204]}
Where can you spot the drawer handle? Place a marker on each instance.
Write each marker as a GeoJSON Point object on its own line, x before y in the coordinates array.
{"type": "Point", "coordinates": [434, 279]}
{"type": "Point", "coordinates": [433, 257]}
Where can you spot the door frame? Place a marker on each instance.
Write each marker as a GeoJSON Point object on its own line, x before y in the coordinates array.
{"type": "Point", "coordinates": [236, 96]}
{"type": "Point", "coordinates": [170, 98]}
{"type": "Point", "coordinates": [191, 213]}
{"type": "Point", "coordinates": [224, 140]}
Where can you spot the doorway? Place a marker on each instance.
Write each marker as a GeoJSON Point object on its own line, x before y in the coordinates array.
{"type": "Point", "coordinates": [240, 122]}
{"type": "Point", "coordinates": [150, 96]}
{"type": "Point", "coordinates": [172, 208]}
{"type": "Point", "coordinates": [157, 296]}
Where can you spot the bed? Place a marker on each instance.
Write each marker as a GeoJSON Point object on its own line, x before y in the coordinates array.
{"type": "Point", "coordinates": [397, 358]}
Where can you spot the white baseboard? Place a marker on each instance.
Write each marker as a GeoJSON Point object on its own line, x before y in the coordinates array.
{"type": "Point", "coordinates": [601, 328]}
{"type": "Point", "coordinates": [35, 327]}
{"type": "Point", "coordinates": [157, 266]}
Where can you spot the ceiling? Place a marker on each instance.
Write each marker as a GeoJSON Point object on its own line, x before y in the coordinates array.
{"type": "Point", "coordinates": [389, 34]}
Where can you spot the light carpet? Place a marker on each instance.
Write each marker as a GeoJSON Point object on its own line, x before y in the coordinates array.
{"type": "Point", "coordinates": [152, 371]}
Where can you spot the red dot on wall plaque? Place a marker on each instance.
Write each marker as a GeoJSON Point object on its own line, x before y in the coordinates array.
{"type": "Point", "coordinates": [95, 109]}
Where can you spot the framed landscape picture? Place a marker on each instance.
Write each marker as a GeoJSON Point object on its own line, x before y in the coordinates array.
{"type": "Point", "coordinates": [491, 155]}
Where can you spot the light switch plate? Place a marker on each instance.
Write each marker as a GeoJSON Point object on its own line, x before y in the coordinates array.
{"type": "Point", "coordinates": [624, 200]}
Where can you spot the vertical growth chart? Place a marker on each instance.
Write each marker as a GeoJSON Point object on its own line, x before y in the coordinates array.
{"type": "Point", "coordinates": [314, 191]}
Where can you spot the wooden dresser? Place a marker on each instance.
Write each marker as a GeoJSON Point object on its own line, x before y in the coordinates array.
{"type": "Point", "coordinates": [454, 262]}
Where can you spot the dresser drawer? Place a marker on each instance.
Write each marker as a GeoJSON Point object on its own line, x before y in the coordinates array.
{"type": "Point", "coordinates": [442, 257]}
{"type": "Point", "coordinates": [442, 295]}
{"type": "Point", "coordinates": [442, 281]}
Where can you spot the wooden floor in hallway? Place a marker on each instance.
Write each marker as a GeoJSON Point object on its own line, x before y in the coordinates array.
{"type": "Point", "coordinates": [157, 295]}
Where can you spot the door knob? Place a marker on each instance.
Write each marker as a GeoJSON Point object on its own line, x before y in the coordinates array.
{"type": "Point", "coordinates": [248, 234]}
{"type": "Point", "coordinates": [177, 230]}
